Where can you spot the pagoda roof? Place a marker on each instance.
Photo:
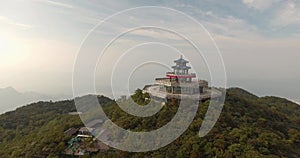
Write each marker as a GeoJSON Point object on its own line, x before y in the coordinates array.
{"type": "Point", "coordinates": [181, 67]}
{"type": "Point", "coordinates": [181, 60]}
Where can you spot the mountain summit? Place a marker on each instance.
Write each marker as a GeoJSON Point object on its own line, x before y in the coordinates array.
{"type": "Point", "coordinates": [249, 126]}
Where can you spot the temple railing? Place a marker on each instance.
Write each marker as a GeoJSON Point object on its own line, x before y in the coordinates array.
{"type": "Point", "coordinates": [170, 82]}
{"type": "Point", "coordinates": [181, 74]}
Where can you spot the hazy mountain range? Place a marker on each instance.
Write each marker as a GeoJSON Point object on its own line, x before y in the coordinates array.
{"type": "Point", "coordinates": [10, 98]}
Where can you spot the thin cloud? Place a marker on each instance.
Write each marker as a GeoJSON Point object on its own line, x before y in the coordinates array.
{"type": "Point", "coordinates": [259, 4]}
{"type": "Point", "coordinates": [54, 3]}
{"type": "Point", "coordinates": [12, 22]}
{"type": "Point", "coordinates": [288, 14]}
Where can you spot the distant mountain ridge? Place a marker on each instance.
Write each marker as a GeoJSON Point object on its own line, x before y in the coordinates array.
{"type": "Point", "coordinates": [10, 98]}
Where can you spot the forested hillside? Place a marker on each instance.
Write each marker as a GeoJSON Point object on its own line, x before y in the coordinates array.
{"type": "Point", "coordinates": [249, 126]}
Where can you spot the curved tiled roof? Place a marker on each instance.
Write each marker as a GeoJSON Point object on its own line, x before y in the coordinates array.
{"type": "Point", "coordinates": [181, 67]}
{"type": "Point", "coordinates": [181, 60]}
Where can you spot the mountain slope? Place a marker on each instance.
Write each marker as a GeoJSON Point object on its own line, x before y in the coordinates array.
{"type": "Point", "coordinates": [249, 126]}
{"type": "Point", "coordinates": [11, 98]}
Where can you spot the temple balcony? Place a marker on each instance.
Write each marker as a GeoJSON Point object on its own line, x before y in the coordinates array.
{"type": "Point", "coordinates": [171, 82]}
{"type": "Point", "coordinates": [181, 75]}
{"type": "Point", "coordinates": [155, 91]}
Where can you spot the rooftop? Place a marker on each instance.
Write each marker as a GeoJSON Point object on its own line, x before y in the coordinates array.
{"type": "Point", "coordinates": [180, 67]}
{"type": "Point", "coordinates": [181, 60]}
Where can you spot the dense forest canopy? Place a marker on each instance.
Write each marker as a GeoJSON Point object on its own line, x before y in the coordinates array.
{"type": "Point", "coordinates": [249, 126]}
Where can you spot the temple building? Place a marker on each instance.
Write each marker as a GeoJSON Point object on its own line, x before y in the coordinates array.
{"type": "Point", "coordinates": [179, 84]}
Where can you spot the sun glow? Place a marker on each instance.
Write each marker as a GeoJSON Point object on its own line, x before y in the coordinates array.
{"type": "Point", "coordinates": [11, 51]}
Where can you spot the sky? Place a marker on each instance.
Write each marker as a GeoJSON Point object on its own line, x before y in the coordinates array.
{"type": "Point", "coordinates": [258, 40]}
